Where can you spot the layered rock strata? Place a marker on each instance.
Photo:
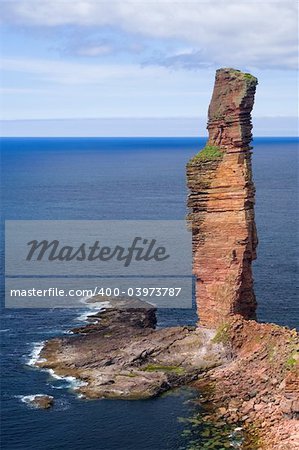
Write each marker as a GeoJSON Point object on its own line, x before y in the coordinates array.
{"type": "Point", "coordinates": [259, 387]}
{"type": "Point", "coordinates": [120, 354]}
{"type": "Point", "coordinates": [221, 202]}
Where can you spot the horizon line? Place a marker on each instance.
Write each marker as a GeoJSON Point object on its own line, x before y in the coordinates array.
{"type": "Point", "coordinates": [138, 137]}
{"type": "Point", "coordinates": [137, 118]}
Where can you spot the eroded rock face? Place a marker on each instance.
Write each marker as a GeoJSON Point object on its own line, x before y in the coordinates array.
{"type": "Point", "coordinates": [119, 354]}
{"type": "Point", "coordinates": [259, 387]}
{"type": "Point", "coordinates": [221, 203]}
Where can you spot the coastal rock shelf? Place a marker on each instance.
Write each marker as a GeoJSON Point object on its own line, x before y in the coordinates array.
{"type": "Point", "coordinates": [119, 354]}
{"type": "Point", "coordinates": [221, 203]}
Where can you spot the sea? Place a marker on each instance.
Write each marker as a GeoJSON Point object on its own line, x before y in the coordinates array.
{"type": "Point", "coordinates": [122, 179]}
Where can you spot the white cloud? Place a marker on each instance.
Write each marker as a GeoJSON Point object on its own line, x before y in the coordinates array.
{"type": "Point", "coordinates": [95, 50]}
{"type": "Point", "coordinates": [93, 46]}
{"type": "Point", "coordinates": [43, 88]}
{"type": "Point", "coordinates": [78, 73]}
{"type": "Point", "coordinates": [257, 34]}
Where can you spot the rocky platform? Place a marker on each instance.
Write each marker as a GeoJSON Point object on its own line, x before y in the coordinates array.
{"type": "Point", "coordinates": [246, 372]}
{"type": "Point", "coordinates": [120, 354]}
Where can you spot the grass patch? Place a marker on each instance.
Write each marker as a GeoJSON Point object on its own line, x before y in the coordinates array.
{"type": "Point", "coordinates": [246, 75]}
{"type": "Point", "coordinates": [250, 77]}
{"type": "Point", "coordinates": [222, 335]}
{"type": "Point", "coordinates": [208, 153]}
{"type": "Point", "coordinates": [156, 367]}
{"type": "Point", "coordinates": [291, 362]}
{"type": "Point", "coordinates": [272, 352]}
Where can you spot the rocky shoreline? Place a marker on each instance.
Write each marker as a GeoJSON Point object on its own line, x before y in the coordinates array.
{"type": "Point", "coordinates": [246, 372]}
{"type": "Point", "coordinates": [120, 354]}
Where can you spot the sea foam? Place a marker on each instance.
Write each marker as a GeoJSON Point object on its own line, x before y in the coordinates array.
{"type": "Point", "coordinates": [72, 382]}
{"type": "Point", "coordinates": [34, 356]}
{"type": "Point", "coordinates": [92, 308]}
{"type": "Point", "coordinates": [28, 399]}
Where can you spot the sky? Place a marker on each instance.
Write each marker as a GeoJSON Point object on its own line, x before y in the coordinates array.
{"type": "Point", "coordinates": [93, 67]}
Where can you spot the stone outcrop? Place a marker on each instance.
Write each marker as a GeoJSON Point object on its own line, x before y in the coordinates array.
{"type": "Point", "coordinates": [119, 354]}
{"type": "Point", "coordinates": [40, 401]}
{"type": "Point", "coordinates": [221, 202]}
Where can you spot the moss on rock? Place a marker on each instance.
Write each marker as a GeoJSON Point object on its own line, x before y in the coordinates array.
{"type": "Point", "coordinates": [156, 367]}
{"type": "Point", "coordinates": [208, 153]}
{"type": "Point", "coordinates": [222, 335]}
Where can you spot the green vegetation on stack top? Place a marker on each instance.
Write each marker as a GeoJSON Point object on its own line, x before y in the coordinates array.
{"type": "Point", "coordinates": [208, 153]}
{"type": "Point", "coordinates": [250, 78]}
{"type": "Point", "coordinates": [246, 75]}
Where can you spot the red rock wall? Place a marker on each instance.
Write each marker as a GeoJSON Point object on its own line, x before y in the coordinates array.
{"type": "Point", "coordinates": [221, 202]}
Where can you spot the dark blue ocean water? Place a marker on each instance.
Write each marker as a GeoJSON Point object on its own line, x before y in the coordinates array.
{"type": "Point", "coordinates": [126, 179]}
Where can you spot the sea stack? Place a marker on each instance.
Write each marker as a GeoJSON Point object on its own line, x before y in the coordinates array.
{"type": "Point", "coordinates": [221, 202]}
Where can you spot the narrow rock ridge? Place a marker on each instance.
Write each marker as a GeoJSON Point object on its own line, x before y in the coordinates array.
{"type": "Point", "coordinates": [221, 202]}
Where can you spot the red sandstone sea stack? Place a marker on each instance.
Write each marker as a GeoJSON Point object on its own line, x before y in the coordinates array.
{"type": "Point", "coordinates": [221, 202]}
